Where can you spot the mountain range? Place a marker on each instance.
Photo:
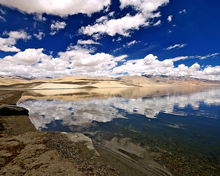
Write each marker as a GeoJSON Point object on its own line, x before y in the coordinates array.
{"type": "Point", "coordinates": [100, 82]}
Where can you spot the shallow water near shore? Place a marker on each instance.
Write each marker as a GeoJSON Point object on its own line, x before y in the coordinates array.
{"type": "Point", "coordinates": [177, 127]}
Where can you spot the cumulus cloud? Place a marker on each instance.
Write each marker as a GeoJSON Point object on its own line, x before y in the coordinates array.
{"type": "Point", "coordinates": [151, 65]}
{"type": "Point", "coordinates": [58, 7]}
{"type": "Point", "coordinates": [76, 60]}
{"type": "Point", "coordinates": [177, 46]}
{"type": "Point", "coordinates": [85, 63]}
{"type": "Point", "coordinates": [33, 62]}
{"type": "Point", "coordinates": [81, 61]}
{"type": "Point", "coordinates": [7, 44]}
{"type": "Point", "coordinates": [27, 57]}
{"type": "Point", "coordinates": [56, 26]}
{"type": "Point", "coordinates": [123, 26]}
{"type": "Point", "coordinates": [116, 26]}
{"type": "Point", "coordinates": [40, 35]}
{"type": "Point", "coordinates": [144, 6]}
{"type": "Point", "coordinates": [18, 35]}
{"type": "Point", "coordinates": [87, 42]}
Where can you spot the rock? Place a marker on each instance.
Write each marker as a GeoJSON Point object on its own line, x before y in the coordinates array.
{"type": "Point", "coordinates": [80, 137]}
{"type": "Point", "coordinates": [8, 110]}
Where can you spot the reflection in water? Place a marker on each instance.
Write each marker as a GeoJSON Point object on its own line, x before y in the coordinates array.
{"type": "Point", "coordinates": [43, 112]}
{"type": "Point", "coordinates": [177, 127]}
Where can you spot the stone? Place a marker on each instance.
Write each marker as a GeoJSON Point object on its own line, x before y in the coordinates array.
{"type": "Point", "coordinates": [80, 137]}
{"type": "Point", "coordinates": [9, 110]}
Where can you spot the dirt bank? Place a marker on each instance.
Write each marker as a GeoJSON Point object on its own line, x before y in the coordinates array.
{"type": "Point", "coordinates": [25, 151]}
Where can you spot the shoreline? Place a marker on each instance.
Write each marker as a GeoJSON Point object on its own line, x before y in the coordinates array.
{"type": "Point", "coordinates": [152, 86]}
{"type": "Point", "coordinates": [28, 141]}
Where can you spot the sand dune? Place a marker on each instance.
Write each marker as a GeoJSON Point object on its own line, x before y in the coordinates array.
{"type": "Point", "coordinates": [56, 86]}
{"type": "Point", "coordinates": [75, 82]}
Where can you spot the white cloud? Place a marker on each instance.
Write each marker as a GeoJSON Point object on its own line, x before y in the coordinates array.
{"type": "Point", "coordinates": [157, 23]}
{"type": "Point", "coordinates": [129, 44]}
{"type": "Point", "coordinates": [80, 61]}
{"type": "Point", "coordinates": [123, 26]}
{"type": "Point", "coordinates": [116, 26]}
{"type": "Point", "coordinates": [87, 42]}
{"type": "Point", "coordinates": [76, 60]}
{"type": "Point", "coordinates": [18, 35]}
{"type": "Point", "coordinates": [57, 7]}
{"type": "Point", "coordinates": [179, 58]}
{"type": "Point", "coordinates": [2, 18]}
{"type": "Point", "coordinates": [27, 57]}
{"type": "Point", "coordinates": [210, 55]}
{"type": "Point", "coordinates": [7, 44]}
{"type": "Point", "coordinates": [102, 19]}
{"type": "Point", "coordinates": [176, 46]}
{"type": "Point", "coordinates": [182, 11]}
{"type": "Point", "coordinates": [169, 18]}
{"type": "Point", "coordinates": [33, 62]}
{"type": "Point", "coordinates": [39, 17]}
{"type": "Point", "coordinates": [193, 57]}
{"type": "Point", "coordinates": [111, 14]}
{"type": "Point", "coordinates": [40, 35]}
{"type": "Point", "coordinates": [2, 12]}
{"type": "Point", "coordinates": [132, 43]}
{"type": "Point", "coordinates": [145, 6]}
{"type": "Point", "coordinates": [84, 63]}
{"type": "Point", "coordinates": [56, 26]}
{"type": "Point", "coordinates": [151, 65]}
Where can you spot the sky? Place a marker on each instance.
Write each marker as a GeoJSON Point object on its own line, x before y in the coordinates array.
{"type": "Point", "coordinates": [52, 38]}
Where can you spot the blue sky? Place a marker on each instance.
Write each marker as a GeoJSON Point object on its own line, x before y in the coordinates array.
{"type": "Point", "coordinates": [51, 38]}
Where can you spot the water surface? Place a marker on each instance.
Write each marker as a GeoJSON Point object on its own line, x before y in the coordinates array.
{"type": "Point", "coordinates": [177, 127]}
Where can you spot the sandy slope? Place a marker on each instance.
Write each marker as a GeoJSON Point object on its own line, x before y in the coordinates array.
{"type": "Point", "coordinates": [74, 82]}
{"type": "Point", "coordinates": [5, 80]}
{"type": "Point", "coordinates": [56, 86]}
{"type": "Point", "coordinates": [139, 80]}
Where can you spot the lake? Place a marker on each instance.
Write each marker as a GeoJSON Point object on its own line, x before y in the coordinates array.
{"type": "Point", "coordinates": [178, 127]}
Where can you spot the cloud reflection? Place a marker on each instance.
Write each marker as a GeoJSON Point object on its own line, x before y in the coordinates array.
{"type": "Point", "coordinates": [43, 112]}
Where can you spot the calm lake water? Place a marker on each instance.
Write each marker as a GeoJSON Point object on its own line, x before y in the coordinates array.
{"type": "Point", "coordinates": [177, 127]}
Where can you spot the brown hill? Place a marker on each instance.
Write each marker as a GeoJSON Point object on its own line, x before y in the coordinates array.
{"type": "Point", "coordinates": [70, 82]}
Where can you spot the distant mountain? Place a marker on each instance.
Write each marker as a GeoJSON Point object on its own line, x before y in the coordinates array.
{"type": "Point", "coordinates": [163, 80]}
{"type": "Point", "coordinates": [101, 82]}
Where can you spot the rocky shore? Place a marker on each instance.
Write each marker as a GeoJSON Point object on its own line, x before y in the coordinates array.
{"type": "Point", "coordinates": [26, 151]}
